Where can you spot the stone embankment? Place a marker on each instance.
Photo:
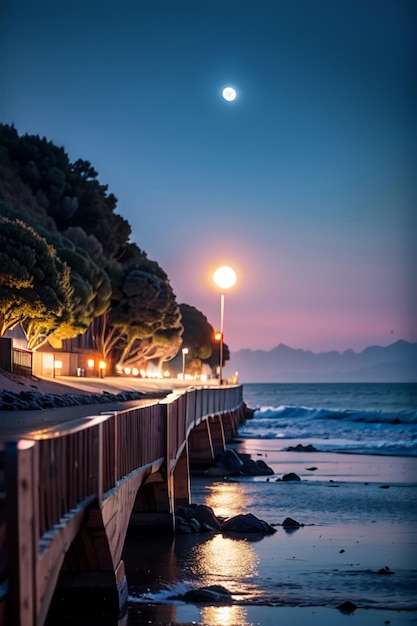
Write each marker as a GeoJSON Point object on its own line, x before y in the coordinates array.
{"type": "Point", "coordinates": [35, 400]}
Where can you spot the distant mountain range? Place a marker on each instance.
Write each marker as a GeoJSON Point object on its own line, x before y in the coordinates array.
{"type": "Point", "coordinates": [394, 363]}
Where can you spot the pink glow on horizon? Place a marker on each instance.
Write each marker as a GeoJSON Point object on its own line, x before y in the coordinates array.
{"type": "Point", "coordinates": [269, 307]}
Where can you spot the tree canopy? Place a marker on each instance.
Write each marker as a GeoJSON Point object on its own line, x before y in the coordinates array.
{"type": "Point", "coordinates": [198, 337]}
{"type": "Point", "coordinates": [68, 266]}
{"type": "Point", "coordinates": [35, 289]}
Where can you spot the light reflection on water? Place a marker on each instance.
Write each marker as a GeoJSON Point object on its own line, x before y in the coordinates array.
{"type": "Point", "coordinates": [350, 533]}
{"type": "Point", "coordinates": [229, 562]}
{"type": "Point", "coordinates": [223, 615]}
{"type": "Point", "coordinates": [226, 499]}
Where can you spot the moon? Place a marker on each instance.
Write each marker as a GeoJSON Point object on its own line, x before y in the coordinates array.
{"type": "Point", "coordinates": [229, 94]}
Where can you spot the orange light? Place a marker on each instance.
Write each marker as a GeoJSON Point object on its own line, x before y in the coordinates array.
{"type": "Point", "coordinates": [218, 336]}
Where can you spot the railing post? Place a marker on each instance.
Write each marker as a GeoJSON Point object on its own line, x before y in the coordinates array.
{"type": "Point", "coordinates": [21, 471]}
{"type": "Point", "coordinates": [100, 464]}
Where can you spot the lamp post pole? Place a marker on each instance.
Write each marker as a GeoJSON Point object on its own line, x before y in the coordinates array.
{"type": "Point", "coordinates": [184, 352]}
{"type": "Point", "coordinates": [224, 277]}
{"type": "Point", "coordinates": [221, 338]}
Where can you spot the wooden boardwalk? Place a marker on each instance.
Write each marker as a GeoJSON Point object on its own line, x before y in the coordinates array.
{"type": "Point", "coordinates": [70, 493]}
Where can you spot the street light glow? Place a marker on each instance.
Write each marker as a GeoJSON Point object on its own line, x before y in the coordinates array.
{"type": "Point", "coordinates": [224, 277]}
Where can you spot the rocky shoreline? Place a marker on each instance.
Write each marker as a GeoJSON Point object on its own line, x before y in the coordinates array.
{"type": "Point", "coordinates": [36, 400]}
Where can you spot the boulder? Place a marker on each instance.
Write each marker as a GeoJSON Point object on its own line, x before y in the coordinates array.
{"type": "Point", "coordinates": [232, 463]}
{"type": "Point", "coordinates": [347, 607]}
{"type": "Point", "coordinates": [300, 448]}
{"type": "Point", "coordinates": [183, 527]}
{"type": "Point", "coordinates": [290, 523]}
{"type": "Point", "coordinates": [248, 412]}
{"type": "Point", "coordinates": [256, 468]}
{"type": "Point", "coordinates": [289, 477]}
{"type": "Point", "coordinates": [195, 518]}
{"type": "Point", "coordinates": [228, 464]}
{"type": "Point", "coordinates": [385, 571]}
{"type": "Point", "coordinates": [246, 524]}
{"type": "Point", "coordinates": [206, 595]}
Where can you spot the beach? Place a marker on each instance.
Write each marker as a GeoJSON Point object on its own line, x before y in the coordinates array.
{"type": "Point", "coordinates": [354, 527]}
{"type": "Point", "coordinates": [357, 538]}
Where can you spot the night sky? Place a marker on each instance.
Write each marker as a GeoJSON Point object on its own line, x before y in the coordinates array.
{"type": "Point", "coordinates": [305, 184]}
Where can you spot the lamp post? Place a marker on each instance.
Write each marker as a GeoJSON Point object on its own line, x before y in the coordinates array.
{"type": "Point", "coordinates": [224, 277]}
{"type": "Point", "coordinates": [184, 352]}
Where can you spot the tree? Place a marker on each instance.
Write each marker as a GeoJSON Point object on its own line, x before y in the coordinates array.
{"type": "Point", "coordinates": [91, 293]}
{"type": "Point", "coordinates": [18, 201]}
{"type": "Point", "coordinates": [125, 297]}
{"type": "Point", "coordinates": [91, 288]}
{"type": "Point", "coordinates": [70, 193]}
{"type": "Point", "coordinates": [147, 307]}
{"type": "Point", "coordinates": [144, 321]}
{"type": "Point", "coordinates": [198, 337]}
{"type": "Point", "coordinates": [198, 333]}
{"type": "Point", "coordinates": [95, 212]}
{"type": "Point", "coordinates": [35, 288]}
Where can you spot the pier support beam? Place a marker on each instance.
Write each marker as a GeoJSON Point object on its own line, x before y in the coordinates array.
{"type": "Point", "coordinates": [154, 504]}
{"type": "Point", "coordinates": [201, 446]}
{"type": "Point", "coordinates": [217, 434]}
{"type": "Point", "coordinates": [230, 424]}
{"type": "Point", "coordinates": [90, 582]}
{"type": "Point", "coordinates": [182, 479]}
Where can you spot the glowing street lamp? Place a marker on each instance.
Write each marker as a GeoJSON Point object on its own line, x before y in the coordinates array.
{"type": "Point", "coordinates": [184, 352]}
{"type": "Point", "coordinates": [225, 278]}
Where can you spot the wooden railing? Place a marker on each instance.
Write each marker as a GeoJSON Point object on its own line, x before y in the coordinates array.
{"type": "Point", "coordinates": [52, 475]}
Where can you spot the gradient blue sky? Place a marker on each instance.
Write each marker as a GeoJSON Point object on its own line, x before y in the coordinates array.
{"type": "Point", "coordinates": [305, 184]}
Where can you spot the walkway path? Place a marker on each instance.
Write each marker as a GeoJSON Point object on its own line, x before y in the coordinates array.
{"type": "Point", "coordinates": [13, 423]}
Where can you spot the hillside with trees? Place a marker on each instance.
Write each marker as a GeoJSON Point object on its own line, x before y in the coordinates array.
{"type": "Point", "coordinates": [68, 267]}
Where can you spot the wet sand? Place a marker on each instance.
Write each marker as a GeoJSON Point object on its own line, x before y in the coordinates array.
{"type": "Point", "coordinates": [328, 466]}
{"type": "Point", "coordinates": [358, 516]}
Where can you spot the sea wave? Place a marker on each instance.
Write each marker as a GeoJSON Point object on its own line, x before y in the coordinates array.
{"type": "Point", "coordinates": [361, 431]}
{"type": "Point", "coordinates": [351, 415]}
{"type": "Point", "coordinates": [166, 594]}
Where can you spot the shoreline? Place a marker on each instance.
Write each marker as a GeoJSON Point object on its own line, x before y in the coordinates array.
{"type": "Point", "coordinates": [331, 467]}
{"type": "Point", "coordinates": [295, 578]}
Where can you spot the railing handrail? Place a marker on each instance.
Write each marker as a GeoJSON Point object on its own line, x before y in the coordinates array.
{"type": "Point", "coordinates": [75, 453]}
{"type": "Point", "coordinates": [60, 470]}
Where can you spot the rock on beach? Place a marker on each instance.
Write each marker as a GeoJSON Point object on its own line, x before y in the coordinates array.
{"type": "Point", "coordinates": [35, 400]}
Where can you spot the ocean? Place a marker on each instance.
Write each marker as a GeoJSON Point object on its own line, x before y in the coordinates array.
{"type": "Point", "coordinates": [368, 418]}
{"type": "Point", "coordinates": [356, 501]}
